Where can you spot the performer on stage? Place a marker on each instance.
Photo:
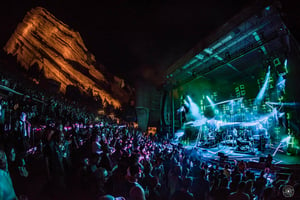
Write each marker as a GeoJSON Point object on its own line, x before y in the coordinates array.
{"type": "Point", "coordinates": [263, 136]}
{"type": "Point", "coordinates": [234, 135]}
{"type": "Point", "coordinates": [248, 135]}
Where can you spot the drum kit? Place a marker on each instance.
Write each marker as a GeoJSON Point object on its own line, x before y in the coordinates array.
{"type": "Point", "coordinates": [207, 139]}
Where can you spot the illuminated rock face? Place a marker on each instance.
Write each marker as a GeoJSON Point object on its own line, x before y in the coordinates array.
{"type": "Point", "coordinates": [43, 40]}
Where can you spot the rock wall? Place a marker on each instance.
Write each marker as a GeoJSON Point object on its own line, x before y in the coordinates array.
{"type": "Point", "coordinates": [43, 40]}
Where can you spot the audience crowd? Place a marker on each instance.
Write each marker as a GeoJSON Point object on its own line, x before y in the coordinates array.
{"type": "Point", "coordinates": [111, 159]}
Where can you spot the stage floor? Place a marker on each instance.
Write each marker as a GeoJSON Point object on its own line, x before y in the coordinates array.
{"type": "Point", "coordinates": [280, 157]}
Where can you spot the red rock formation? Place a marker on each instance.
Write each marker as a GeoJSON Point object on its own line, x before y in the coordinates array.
{"type": "Point", "coordinates": [43, 40]}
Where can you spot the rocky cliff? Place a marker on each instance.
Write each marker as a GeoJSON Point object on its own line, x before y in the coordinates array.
{"type": "Point", "coordinates": [59, 52]}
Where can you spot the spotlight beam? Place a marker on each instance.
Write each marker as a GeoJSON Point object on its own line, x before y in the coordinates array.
{"type": "Point", "coordinates": [226, 101]}
{"type": "Point", "coordinates": [264, 88]}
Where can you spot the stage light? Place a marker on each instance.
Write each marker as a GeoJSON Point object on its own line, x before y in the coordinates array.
{"type": "Point", "coordinates": [199, 56]}
{"type": "Point", "coordinates": [210, 101]}
{"type": "Point", "coordinates": [194, 109]}
{"type": "Point", "coordinates": [281, 81]}
{"type": "Point", "coordinates": [258, 39]}
{"type": "Point", "coordinates": [218, 58]}
{"type": "Point", "coordinates": [181, 109]}
{"type": "Point", "coordinates": [179, 133]}
{"type": "Point", "coordinates": [282, 103]}
{"type": "Point", "coordinates": [208, 51]}
{"type": "Point", "coordinates": [285, 66]}
{"type": "Point", "coordinates": [286, 139]}
{"type": "Point", "coordinates": [264, 88]}
{"type": "Point", "coordinates": [186, 103]}
{"type": "Point", "coordinates": [240, 99]}
{"type": "Point", "coordinates": [222, 42]}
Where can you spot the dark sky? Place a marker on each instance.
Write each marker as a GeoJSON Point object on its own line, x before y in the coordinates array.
{"type": "Point", "coordinates": [131, 37]}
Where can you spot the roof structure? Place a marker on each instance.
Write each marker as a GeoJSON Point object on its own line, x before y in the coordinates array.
{"type": "Point", "coordinates": [256, 37]}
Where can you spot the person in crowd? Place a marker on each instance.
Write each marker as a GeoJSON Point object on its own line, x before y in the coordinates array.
{"type": "Point", "coordinates": [268, 163]}
{"type": "Point", "coordinates": [200, 186]}
{"type": "Point", "coordinates": [22, 134]}
{"type": "Point", "coordinates": [240, 193]}
{"type": "Point", "coordinates": [6, 186]}
{"type": "Point", "coordinates": [226, 171]}
{"type": "Point", "coordinates": [110, 197]}
{"type": "Point", "coordinates": [268, 193]}
{"type": "Point", "coordinates": [235, 171]}
{"type": "Point", "coordinates": [242, 166]}
{"type": "Point", "coordinates": [249, 189]}
{"type": "Point", "coordinates": [259, 185]}
{"type": "Point", "coordinates": [184, 190]}
{"type": "Point", "coordinates": [233, 186]}
{"type": "Point", "coordinates": [146, 179]}
{"type": "Point", "coordinates": [223, 191]}
{"type": "Point", "coordinates": [248, 176]}
{"type": "Point", "coordinates": [58, 160]}
{"type": "Point", "coordinates": [154, 188]}
{"type": "Point", "coordinates": [100, 177]}
{"type": "Point", "coordinates": [174, 178]}
{"type": "Point", "coordinates": [84, 174]}
{"type": "Point", "coordinates": [96, 146]}
{"type": "Point", "coordinates": [133, 190]}
{"type": "Point", "coordinates": [106, 160]}
{"type": "Point", "coordinates": [18, 172]}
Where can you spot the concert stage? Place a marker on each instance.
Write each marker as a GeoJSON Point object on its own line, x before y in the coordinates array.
{"type": "Point", "coordinates": [236, 93]}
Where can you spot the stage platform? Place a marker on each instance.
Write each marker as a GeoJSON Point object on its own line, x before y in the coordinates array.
{"type": "Point", "coordinates": [220, 155]}
{"type": "Point", "coordinates": [228, 153]}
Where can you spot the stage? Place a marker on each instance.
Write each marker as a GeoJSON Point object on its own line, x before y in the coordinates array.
{"type": "Point", "coordinates": [227, 153]}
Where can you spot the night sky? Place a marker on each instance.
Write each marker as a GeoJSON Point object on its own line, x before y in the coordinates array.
{"type": "Point", "coordinates": [135, 38]}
